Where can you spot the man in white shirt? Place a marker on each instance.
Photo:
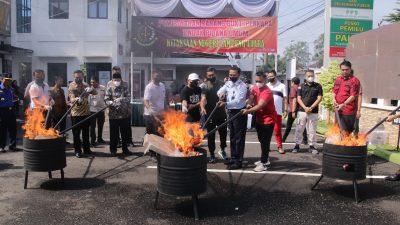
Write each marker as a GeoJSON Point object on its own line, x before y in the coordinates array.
{"type": "Point", "coordinates": [96, 103]}
{"type": "Point", "coordinates": [280, 100]}
{"type": "Point", "coordinates": [39, 91]}
{"type": "Point", "coordinates": [154, 103]}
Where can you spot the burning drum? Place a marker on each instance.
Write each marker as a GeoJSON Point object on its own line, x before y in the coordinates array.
{"type": "Point", "coordinates": [182, 176]}
{"type": "Point", "coordinates": [344, 162]}
{"type": "Point", "coordinates": [44, 154]}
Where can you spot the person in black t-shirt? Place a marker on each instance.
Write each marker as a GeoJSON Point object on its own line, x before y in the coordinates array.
{"type": "Point", "coordinates": [191, 98]}
{"type": "Point", "coordinates": [209, 99]}
{"type": "Point", "coordinates": [309, 95]}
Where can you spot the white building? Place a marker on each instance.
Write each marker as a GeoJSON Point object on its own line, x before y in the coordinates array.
{"type": "Point", "coordinates": [65, 34]}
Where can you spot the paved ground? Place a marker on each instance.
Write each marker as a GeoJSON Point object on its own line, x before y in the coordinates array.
{"type": "Point", "coordinates": [104, 190]}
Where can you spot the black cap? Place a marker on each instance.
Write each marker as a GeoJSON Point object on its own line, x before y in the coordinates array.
{"type": "Point", "coordinates": [116, 68]}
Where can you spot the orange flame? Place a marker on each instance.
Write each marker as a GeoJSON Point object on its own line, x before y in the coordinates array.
{"type": "Point", "coordinates": [336, 137]}
{"type": "Point", "coordinates": [34, 125]}
{"type": "Point", "coordinates": [182, 134]}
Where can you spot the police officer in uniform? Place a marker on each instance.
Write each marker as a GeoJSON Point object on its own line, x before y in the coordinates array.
{"type": "Point", "coordinates": [8, 122]}
{"type": "Point", "coordinates": [235, 92]}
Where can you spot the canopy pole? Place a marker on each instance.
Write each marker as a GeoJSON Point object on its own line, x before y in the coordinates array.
{"type": "Point", "coordinates": [131, 76]}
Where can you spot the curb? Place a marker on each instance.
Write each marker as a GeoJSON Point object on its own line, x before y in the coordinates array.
{"type": "Point", "coordinates": [391, 156]}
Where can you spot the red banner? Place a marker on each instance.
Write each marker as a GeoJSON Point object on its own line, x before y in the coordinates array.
{"type": "Point", "coordinates": [337, 52]}
{"type": "Point", "coordinates": [204, 35]}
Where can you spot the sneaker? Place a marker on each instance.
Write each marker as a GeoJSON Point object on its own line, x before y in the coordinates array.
{"type": "Point", "coordinates": [296, 149]}
{"type": "Point", "coordinates": [260, 167]}
{"type": "Point", "coordinates": [222, 154]}
{"type": "Point", "coordinates": [212, 159]}
{"type": "Point", "coordinates": [259, 163]}
{"type": "Point", "coordinates": [313, 150]}
{"type": "Point", "coordinates": [78, 154]}
{"type": "Point", "coordinates": [3, 150]}
{"type": "Point", "coordinates": [88, 151]}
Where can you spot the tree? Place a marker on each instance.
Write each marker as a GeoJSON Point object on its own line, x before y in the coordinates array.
{"type": "Point", "coordinates": [327, 79]}
{"type": "Point", "coordinates": [393, 17]}
{"type": "Point", "coordinates": [300, 51]}
{"type": "Point", "coordinates": [318, 57]}
{"type": "Point", "coordinates": [269, 64]}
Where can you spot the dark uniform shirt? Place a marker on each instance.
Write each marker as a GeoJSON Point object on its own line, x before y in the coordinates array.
{"type": "Point", "coordinates": [309, 94]}
{"type": "Point", "coordinates": [210, 92]}
{"type": "Point", "coordinates": [6, 97]}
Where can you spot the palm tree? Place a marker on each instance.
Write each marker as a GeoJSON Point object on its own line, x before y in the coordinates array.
{"type": "Point", "coordinates": [393, 17]}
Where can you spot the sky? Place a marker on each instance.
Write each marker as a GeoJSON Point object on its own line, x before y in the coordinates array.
{"type": "Point", "coordinates": [292, 11]}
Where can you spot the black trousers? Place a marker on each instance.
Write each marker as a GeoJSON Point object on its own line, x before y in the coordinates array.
{"type": "Point", "coordinates": [55, 119]}
{"type": "Point", "coordinates": [264, 134]}
{"type": "Point", "coordinates": [117, 127]}
{"type": "Point", "coordinates": [76, 132]}
{"type": "Point", "coordinates": [213, 123]}
{"type": "Point", "coordinates": [237, 135]}
{"type": "Point", "coordinates": [99, 120]}
{"type": "Point", "coordinates": [8, 124]}
{"type": "Point", "coordinates": [289, 124]}
{"type": "Point", "coordinates": [347, 122]}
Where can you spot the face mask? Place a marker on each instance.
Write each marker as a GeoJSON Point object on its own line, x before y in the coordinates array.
{"type": "Point", "coordinates": [117, 83]}
{"type": "Point", "coordinates": [260, 85]}
{"type": "Point", "coordinates": [78, 81]}
{"type": "Point", "coordinates": [193, 84]}
{"type": "Point", "coordinates": [233, 79]}
{"type": "Point", "coordinates": [212, 79]}
{"type": "Point", "coordinates": [310, 79]}
{"type": "Point", "coordinates": [271, 80]}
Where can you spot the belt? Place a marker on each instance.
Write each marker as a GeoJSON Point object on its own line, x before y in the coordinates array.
{"type": "Point", "coordinates": [6, 108]}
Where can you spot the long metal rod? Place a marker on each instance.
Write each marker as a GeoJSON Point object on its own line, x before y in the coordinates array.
{"type": "Point", "coordinates": [46, 122]}
{"type": "Point", "coordinates": [339, 122]}
{"type": "Point", "coordinates": [383, 120]}
{"type": "Point", "coordinates": [82, 121]}
{"type": "Point", "coordinates": [69, 110]}
{"type": "Point", "coordinates": [223, 124]}
{"type": "Point", "coordinates": [209, 116]}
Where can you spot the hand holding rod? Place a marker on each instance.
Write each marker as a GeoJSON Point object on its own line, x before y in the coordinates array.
{"type": "Point", "coordinates": [383, 120]}
{"type": "Point", "coordinates": [69, 110]}
{"type": "Point", "coordinates": [223, 124]}
{"type": "Point", "coordinates": [82, 121]}
{"type": "Point", "coordinates": [209, 116]}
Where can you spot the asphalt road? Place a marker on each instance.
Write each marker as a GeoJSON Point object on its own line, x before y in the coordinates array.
{"type": "Point", "coordinates": [104, 190]}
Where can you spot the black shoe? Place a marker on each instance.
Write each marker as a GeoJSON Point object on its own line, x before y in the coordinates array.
{"type": "Point", "coordinates": [127, 152]}
{"type": "Point", "coordinates": [235, 166]}
{"type": "Point", "coordinates": [212, 159]}
{"type": "Point", "coordinates": [229, 162]}
{"type": "Point", "coordinates": [67, 142]}
{"type": "Point", "coordinates": [15, 149]}
{"type": "Point", "coordinates": [93, 144]}
{"type": "Point", "coordinates": [395, 177]}
{"type": "Point", "coordinates": [313, 150]}
{"type": "Point", "coordinates": [3, 150]}
{"type": "Point", "coordinates": [101, 141]}
{"type": "Point", "coordinates": [113, 154]}
{"type": "Point", "coordinates": [88, 151]}
{"type": "Point", "coordinates": [296, 149]}
{"type": "Point", "coordinates": [78, 155]}
{"type": "Point", "coordinates": [305, 142]}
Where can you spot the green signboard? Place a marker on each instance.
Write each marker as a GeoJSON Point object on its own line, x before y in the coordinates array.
{"type": "Point", "coordinates": [350, 26]}
{"type": "Point", "coordinates": [340, 39]}
{"type": "Point", "coordinates": [360, 4]}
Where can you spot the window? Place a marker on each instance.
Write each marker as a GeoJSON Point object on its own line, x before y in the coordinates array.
{"type": "Point", "coordinates": [126, 18]}
{"type": "Point", "coordinates": [23, 16]}
{"type": "Point", "coordinates": [119, 11]}
{"type": "Point", "coordinates": [58, 9]}
{"type": "Point", "coordinates": [374, 101]}
{"type": "Point", "coordinates": [98, 9]}
{"type": "Point", "coordinates": [57, 70]}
